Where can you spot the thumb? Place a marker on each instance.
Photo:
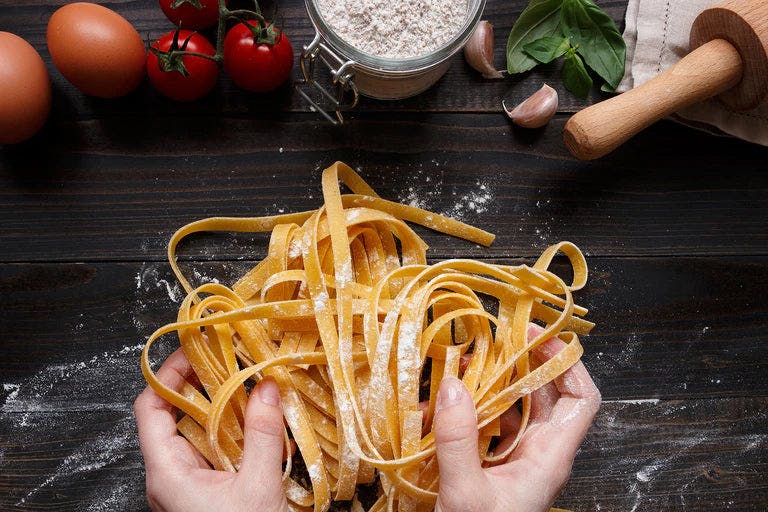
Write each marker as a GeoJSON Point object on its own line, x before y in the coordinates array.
{"type": "Point", "coordinates": [455, 428]}
{"type": "Point", "coordinates": [263, 436]}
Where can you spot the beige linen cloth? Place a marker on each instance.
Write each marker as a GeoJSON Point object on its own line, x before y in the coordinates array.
{"type": "Point", "coordinates": [657, 34]}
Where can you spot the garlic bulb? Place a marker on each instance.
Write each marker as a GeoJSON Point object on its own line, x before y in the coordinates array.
{"type": "Point", "coordinates": [479, 51]}
{"type": "Point", "coordinates": [536, 111]}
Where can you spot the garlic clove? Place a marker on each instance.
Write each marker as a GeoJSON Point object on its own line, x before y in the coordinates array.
{"type": "Point", "coordinates": [479, 51]}
{"type": "Point", "coordinates": [536, 111]}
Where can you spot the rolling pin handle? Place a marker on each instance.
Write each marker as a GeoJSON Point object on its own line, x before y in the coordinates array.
{"type": "Point", "coordinates": [708, 71]}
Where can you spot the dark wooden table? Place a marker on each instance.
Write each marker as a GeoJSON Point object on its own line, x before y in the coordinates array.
{"type": "Point", "coordinates": [674, 225]}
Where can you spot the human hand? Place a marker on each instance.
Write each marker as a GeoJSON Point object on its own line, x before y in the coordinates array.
{"type": "Point", "coordinates": [179, 478]}
{"type": "Point", "coordinates": [538, 469]}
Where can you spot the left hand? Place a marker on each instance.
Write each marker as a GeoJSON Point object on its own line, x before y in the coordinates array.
{"type": "Point", "coordinates": [178, 477]}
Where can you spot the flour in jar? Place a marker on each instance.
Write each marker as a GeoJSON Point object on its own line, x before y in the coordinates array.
{"type": "Point", "coordinates": [395, 29]}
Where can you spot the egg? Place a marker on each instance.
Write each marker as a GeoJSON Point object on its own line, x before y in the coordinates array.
{"type": "Point", "coordinates": [25, 90]}
{"type": "Point", "coordinates": [96, 49]}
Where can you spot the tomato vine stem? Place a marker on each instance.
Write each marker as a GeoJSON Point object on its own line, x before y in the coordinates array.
{"type": "Point", "coordinates": [225, 15]}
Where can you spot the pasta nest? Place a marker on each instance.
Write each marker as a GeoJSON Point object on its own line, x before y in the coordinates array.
{"type": "Point", "coordinates": [358, 330]}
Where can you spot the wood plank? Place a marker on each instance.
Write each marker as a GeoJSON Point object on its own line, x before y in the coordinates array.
{"type": "Point", "coordinates": [117, 188]}
{"type": "Point", "coordinates": [86, 460]}
{"type": "Point", "coordinates": [674, 330]}
{"type": "Point", "coordinates": [461, 89]}
{"type": "Point", "coordinates": [671, 455]}
{"type": "Point", "coordinates": [670, 329]}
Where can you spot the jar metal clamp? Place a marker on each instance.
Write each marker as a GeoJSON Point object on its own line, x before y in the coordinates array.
{"type": "Point", "coordinates": [342, 75]}
{"type": "Point", "coordinates": [354, 73]}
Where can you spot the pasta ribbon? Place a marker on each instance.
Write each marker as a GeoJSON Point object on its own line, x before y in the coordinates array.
{"type": "Point", "coordinates": [358, 330]}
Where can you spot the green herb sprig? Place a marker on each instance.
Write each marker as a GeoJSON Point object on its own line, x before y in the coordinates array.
{"type": "Point", "coordinates": [578, 31]}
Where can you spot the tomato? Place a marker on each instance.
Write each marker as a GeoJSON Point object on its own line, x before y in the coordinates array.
{"type": "Point", "coordinates": [201, 73]}
{"type": "Point", "coordinates": [96, 49]}
{"type": "Point", "coordinates": [25, 90]}
{"type": "Point", "coordinates": [191, 14]}
{"type": "Point", "coordinates": [256, 65]}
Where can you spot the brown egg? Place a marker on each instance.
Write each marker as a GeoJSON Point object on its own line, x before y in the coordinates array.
{"type": "Point", "coordinates": [96, 49]}
{"type": "Point", "coordinates": [25, 90]}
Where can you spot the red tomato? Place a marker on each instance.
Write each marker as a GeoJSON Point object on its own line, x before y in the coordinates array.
{"type": "Point", "coordinates": [256, 65]}
{"type": "Point", "coordinates": [191, 14]}
{"type": "Point", "coordinates": [168, 76]}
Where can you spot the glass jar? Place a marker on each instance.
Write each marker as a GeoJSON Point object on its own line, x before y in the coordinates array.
{"type": "Point", "coordinates": [354, 72]}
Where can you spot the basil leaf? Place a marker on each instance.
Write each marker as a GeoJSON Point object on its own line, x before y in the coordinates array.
{"type": "Point", "coordinates": [575, 76]}
{"type": "Point", "coordinates": [541, 18]}
{"type": "Point", "coordinates": [548, 48]}
{"type": "Point", "coordinates": [596, 38]}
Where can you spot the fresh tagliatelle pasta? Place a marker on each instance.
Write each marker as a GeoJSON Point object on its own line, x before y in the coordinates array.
{"type": "Point", "coordinates": [358, 331]}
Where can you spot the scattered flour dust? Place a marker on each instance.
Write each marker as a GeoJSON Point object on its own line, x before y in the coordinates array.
{"type": "Point", "coordinates": [651, 401]}
{"type": "Point", "coordinates": [424, 188]}
{"type": "Point", "coordinates": [474, 201]}
{"type": "Point", "coordinates": [395, 29]}
{"type": "Point", "coordinates": [149, 277]}
{"type": "Point", "coordinates": [14, 391]}
{"type": "Point", "coordinates": [41, 409]}
{"type": "Point", "coordinates": [154, 277]}
{"type": "Point", "coordinates": [634, 448]}
{"type": "Point", "coordinates": [88, 404]}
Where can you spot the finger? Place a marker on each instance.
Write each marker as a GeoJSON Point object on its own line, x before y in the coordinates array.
{"type": "Point", "coordinates": [290, 451]}
{"type": "Point", "coordinates": [263, 435]}
{"type": "Point", "coordinates": [576, 381]}
{"type": "Point", "coordinates": [543, 400]}
{"type": "Point", "coordinates": [464, 361]}
{"type": "Point", "coordinates": [456, 434]}
{"type": "Point", "coordinates": [509, 426]}
{"type": "Point", "coordinates": [155, 417]}
{"type": "Point", "coordinates": [533, 331]}
{"type": "Point", "coordinates": [577, 406]}
{"type": "Point", "coordinates": [510, 422]}
{"type": "Point", "coordinates": [424, 408]}
{"type": "Point", "coordinates": [553, 444]}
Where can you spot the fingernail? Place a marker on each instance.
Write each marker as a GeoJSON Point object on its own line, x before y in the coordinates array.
{"type": "Point", "coordinates": [452, 391]}
{"type": "Point", "coordinates": [268, 392]}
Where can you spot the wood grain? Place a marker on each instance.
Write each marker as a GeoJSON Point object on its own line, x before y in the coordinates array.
{"type": "Point", "coordinates": [673, 224]}
{"type": "Point", "coordinates": [669, 455]}
{"type": "Point", "coordinates": [666, 328]}
{"type": "Point", "coordinates": [461, 90]}
{"type": "Point", "coordinates": [683, 330]}
{"type": "Point", "coordinates": [117, 188]}
{"type": "Point", "coordinates": [709, 70]}
{"type": "Point", "coordinates": [744, 24]}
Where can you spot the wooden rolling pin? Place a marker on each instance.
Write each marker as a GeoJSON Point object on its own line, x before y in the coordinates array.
{"type": "Point", "coordinates": [729, 59]}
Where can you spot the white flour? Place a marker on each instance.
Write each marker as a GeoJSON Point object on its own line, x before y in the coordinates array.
{"type": "Point", "coordinates": [425, 189]}
{"type": "Point", "coordinates": [42, 407]}
{"type": "Point", "coordinates": [474, 201]}
{"type": "Point", "coordinates": [80, 409]}
{"type": "Point", "coordinates": [148, 277]}
{"type": "Point", "coordinates": [395, 29]}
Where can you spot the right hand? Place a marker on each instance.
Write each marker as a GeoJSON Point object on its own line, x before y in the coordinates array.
{"type": "Point", "coordinates": [538, 469]}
